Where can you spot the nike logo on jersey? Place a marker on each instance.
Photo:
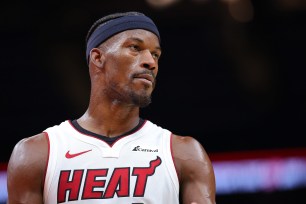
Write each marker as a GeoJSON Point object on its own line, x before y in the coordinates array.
{"type": "Point", "coordinates": [70, 156]}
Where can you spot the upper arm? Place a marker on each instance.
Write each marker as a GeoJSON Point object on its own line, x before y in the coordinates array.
{"type": "Point", "coordinates": [195, 171]}
{"type": "Point", "coordinates": [26, 169]}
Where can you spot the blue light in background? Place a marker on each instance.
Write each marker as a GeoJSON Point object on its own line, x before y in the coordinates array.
{"type": "Point", "coordinates": [242, 176]}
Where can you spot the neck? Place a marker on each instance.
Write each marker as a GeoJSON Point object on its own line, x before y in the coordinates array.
{"type": "Point", "coordinates": [110, 119]}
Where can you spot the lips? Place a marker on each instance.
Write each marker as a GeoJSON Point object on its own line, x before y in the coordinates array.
{"type": "Point", "coordinates": [147, 77]}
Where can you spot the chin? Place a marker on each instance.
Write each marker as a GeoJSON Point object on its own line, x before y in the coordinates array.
{"type": "Point", "coordinates": [141, 100]}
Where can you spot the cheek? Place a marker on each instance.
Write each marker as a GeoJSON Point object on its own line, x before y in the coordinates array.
{"type": "Point", "coordinates": [130, 62]}
{"type": "Point", "coordinates": [156, 70]}
{"type": "Point", "coordinates": [123, 60]}
{"type": "Point", "coordinates": [116, 72]}
{"type": "Point", "coordinates": [121, 66]}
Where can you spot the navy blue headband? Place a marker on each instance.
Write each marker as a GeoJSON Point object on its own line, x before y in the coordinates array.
{"type": "Point", "coordinates": [118, 25]}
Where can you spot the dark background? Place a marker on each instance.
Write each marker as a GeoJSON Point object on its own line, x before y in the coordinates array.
{"type": "Point", "coordinates": [232, 73]}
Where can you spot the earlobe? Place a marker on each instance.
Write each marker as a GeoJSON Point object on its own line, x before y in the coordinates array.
{"type": "Point", "coordinates": [97, 57]}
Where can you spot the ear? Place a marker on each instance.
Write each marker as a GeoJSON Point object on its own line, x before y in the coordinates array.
{"type": "Point", "coordinates": [97, 57]}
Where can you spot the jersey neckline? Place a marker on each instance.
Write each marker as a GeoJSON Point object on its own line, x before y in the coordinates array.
{"type": "Point", "coordinates": [109, 140]}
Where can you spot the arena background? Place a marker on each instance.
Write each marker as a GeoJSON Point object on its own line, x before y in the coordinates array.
{"type": "Point", "coordinates": [232, 74]}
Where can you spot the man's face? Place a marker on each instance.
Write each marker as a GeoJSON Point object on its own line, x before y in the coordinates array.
{"type": "Point", "coordinates": [131, 66]}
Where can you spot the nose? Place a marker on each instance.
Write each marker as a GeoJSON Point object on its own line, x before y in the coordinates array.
{"type": "Point", "coordinates": [148, 61]}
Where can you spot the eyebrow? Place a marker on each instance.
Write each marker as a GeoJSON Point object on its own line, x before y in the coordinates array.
{"type": "Point", "coordinates": [141, 41]}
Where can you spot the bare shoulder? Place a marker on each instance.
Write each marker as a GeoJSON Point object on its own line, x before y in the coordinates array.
{"type": "Point", "coordinates": [187, 147]}
{"type": "Point", "coordinates": [189, 153]}
{"type": "Point", "coordinates": [29, 155]}
{"type": "Point", "coordinates": [29, 149]}
{"type": "Point", "coordinates": [26, 170]}
{"type": "Point", "coordinates": [195, 170]}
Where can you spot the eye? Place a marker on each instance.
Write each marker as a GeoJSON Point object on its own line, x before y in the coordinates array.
{"type": "Point", "coordinates": [155, 55]}
{"type": "Point", "coordinates": [134, 47]}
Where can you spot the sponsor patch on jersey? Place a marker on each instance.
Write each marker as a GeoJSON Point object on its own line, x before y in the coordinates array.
{"type": "Point", "coordinates": [139, 148]}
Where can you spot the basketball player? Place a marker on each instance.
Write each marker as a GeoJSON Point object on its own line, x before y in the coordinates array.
{"type": "Point", "coordinates": [110, 155]}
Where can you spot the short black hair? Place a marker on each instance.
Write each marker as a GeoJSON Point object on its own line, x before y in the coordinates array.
{"type": "Point", "coordinates": [107, 18]}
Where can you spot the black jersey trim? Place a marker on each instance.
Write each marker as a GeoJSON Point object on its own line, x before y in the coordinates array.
{"type": "Point", "coordinates": [109, 140]}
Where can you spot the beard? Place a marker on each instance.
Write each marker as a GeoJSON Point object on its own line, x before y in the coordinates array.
{"type": "Point", "coordinates": [140, 100]}
{"type": "Point", "coordinates": [128, 96]}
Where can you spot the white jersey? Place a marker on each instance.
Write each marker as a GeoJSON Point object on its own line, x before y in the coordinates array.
{"type": "Point", "coordinates": [137, 168]}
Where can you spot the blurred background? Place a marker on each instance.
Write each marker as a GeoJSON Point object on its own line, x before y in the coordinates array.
{"type": "Point", "coordinates": [232, 75]}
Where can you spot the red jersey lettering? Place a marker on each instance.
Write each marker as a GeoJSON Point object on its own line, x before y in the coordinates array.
{"type": "Point", "coordinates": [120, 180]}
{"type": "Point", "coordinates": [142, 174]}
{"type": "Point", "coordinates": [72, 186]}
{"type": "Point", "coordinates": [91, 182]}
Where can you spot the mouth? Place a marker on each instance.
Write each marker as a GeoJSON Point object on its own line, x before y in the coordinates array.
{"type": "Point", "coordinates": [145, 77]}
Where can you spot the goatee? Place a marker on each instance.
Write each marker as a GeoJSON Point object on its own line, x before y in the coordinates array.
{"type": "Point", "coordinates": [141, 100]}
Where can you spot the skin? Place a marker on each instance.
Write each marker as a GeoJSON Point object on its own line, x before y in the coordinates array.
{"type": "Point", "coordinates": [121, 69]}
